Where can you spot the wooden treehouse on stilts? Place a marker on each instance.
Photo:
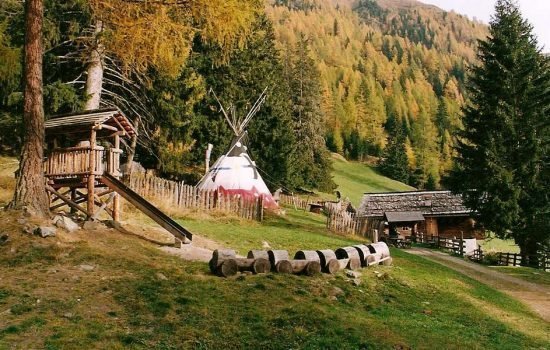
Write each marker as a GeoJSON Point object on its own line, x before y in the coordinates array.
{"type": "Point", "coordinates": [82, 167]}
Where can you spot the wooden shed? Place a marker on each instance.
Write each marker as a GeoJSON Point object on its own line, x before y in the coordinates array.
{"type": "Point", "coordinates": [432, 213]}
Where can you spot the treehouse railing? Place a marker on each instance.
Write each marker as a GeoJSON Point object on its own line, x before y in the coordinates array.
{"type": "Point", "coordinates": [113, 162]}
{"type": "Point", "coordinates": [74, 161]}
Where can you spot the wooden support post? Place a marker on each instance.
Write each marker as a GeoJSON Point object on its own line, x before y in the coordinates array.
{"type": "Point", "coordinates": [91, 176]}
{"type": "Point", "coordinates": [73, 198]}
{"type": "Point", "coordinates": [116, 199]}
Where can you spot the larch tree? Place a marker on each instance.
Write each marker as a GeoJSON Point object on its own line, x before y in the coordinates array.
{"type": "Point", "coordinates": [502, 165]}
{"type": "Point", "coordinates": [140, 35]}
{"type": "Point", "coordinates": [30, 190]}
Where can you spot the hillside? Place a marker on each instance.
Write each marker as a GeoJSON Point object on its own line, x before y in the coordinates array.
{"type": "Point", "coordinates": [386, 67]}
{"type": "Point", "coordinates": [102, 289]}
{"type": "Point", "coordinates": [355, 178]}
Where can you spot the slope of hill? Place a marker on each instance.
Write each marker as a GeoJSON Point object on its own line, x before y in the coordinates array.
{"type": "Point", "coordinates": [102, 289]}
{"type": "Point", "coordinates": [385, 66]}
{"type": "Point", "coordinates": [355, 178]}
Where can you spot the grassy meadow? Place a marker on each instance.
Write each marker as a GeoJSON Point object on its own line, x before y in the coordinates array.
{"type": "Point", "coordinates": [106, 290]}
{"type": "Point", "coordinates": [354, 179]}
{"type": "Point", "coordinates": [137, 297]}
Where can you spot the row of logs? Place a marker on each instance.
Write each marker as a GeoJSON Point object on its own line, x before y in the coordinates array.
{"type": "Point", "coordinates": [308, 262]}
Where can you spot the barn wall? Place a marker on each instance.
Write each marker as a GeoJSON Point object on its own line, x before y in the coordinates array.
{"type": "Point", "coordinates": [429, 227]}
{"type": "Point", "coordinates": [450, 227]}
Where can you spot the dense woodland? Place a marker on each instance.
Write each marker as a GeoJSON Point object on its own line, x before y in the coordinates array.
{"type": "Point", "coordinates": [370, 80]}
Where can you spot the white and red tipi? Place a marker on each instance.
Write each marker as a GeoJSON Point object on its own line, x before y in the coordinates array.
{"type": "Point", "coordinates": [235, 172]}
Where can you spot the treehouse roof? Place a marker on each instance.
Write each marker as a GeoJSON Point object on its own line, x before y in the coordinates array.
{"type": "Point", "coordinates": [109, 119]}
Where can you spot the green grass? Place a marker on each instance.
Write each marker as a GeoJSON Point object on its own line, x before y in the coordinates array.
{"type": "Point", "coordinates": [492, 244]}
{"type": "Point", "coordinates": [7, 179]}
{"type": "Point", "coordinates": [297, 230]}
{"type": "Point", "coordinates": [354, 179]}
{"type": "Point", "coordinates": [123, 305]}
{"type": "Point", "coordinates": [527, 273]}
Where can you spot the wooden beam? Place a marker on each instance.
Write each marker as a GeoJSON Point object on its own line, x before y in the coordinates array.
{"type": "Point", "coordinates": [66, 200]}
{"type": "Point", "coordinates": [91, 177]}
{"type": "Point", "coordinates": [105, 126]}
{"type": "Point", "coordinates": [116, 161]}
{"type": "Point", "coordinates": [103, 206]}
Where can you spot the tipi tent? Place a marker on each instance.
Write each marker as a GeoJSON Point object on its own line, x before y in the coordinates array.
{"type": "Point", "coordinates": [235, 173]}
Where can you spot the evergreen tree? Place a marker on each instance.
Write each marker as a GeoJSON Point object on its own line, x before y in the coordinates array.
{"type": "Point", "coordinates": [311, 164]}
{"type": "Point", "coordinates": [502, 167]}
{"type": "Point", "coordinates": [395, 162]}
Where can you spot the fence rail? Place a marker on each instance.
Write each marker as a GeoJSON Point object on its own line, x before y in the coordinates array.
{"type": "Point", "coordinates": [343, 222]}
{"type": "Point", "coordinates": [179, 196]}
{"type": "Point", "coordinates": [294, 201]}
{"type": "Point", "coordinates": [539, 261]}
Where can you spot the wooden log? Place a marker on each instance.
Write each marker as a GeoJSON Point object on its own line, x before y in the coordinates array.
{"type": "Point", "coordinates": [219, 256]}
{"type": "Point", "coordinates": [328, 260]}
{"type": "Point", "coordinates": [277, 255]}
{"type": "Point", "coordinates": [259, 265]}
{"type": "Point", "coordinates": [347, 253]}
{"type": "Point", "coordinates": [307, 255]}
{"type": "Point", "coordinates": [228, 267]}
{"type": "Point", "coordinates": [370, 260]}
{"type": "Point", "coordinates": [380, 248]}
{"type": "Point", "coordinates": [283, 266]}
{"type": "Point", "coordinates": [257, 254]}
{"type": "Point", "coordinates": [387, 261]}
{"type": "Point", "coordinates": [363, 251]}
{"type": "Point", "coordinates": [350, 264]}
{"type": "Point", "coordinates": [305, 267]}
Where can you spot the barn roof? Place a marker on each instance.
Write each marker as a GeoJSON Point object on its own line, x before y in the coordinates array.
{"type": "Point", "coordinates": [82, 121]}
{"type": "Point", "coordinates": [403, 216]}
{"type": "Point", "coordinates": [429, 203]}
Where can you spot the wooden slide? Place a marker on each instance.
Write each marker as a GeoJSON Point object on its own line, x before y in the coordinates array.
{"type": "Point", "coordinates": [147, 208]}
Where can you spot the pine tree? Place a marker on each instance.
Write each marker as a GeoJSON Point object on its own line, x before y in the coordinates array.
{"type": "Point", "coordinates": [502, 167]}
{"type": "Point", "coordinates": [395, 162]}
{"type": "Point", "coordinates": [30, 191]}
{"type": "Point", "coordinates": [311, 164]}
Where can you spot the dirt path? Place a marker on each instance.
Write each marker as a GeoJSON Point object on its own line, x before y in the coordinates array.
{"type": "Point", "coordinates": [534, 295]}
{"type": "Point", "coordinates": [200, 249]}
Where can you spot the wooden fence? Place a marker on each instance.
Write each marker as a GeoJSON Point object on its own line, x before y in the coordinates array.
{"type": "Point", "coordinates": [179, 196]}
{"type": "Point", "coordinates": [344, 222]}
{"type": "Point", "coordinates": [294, 201]}
{"type": "Point", "coordinates": [539, 261]}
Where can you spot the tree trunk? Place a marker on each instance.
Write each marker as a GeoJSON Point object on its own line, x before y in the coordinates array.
{"type": "Point", "coordinates": [528, 251]}
{"type": "Point", "coordinates": [94, 70]}
{"type": "Point", "coordinates": [30, 191]}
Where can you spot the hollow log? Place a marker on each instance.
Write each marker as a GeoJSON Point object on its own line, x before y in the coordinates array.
{"type": "Point", "coordinates": [283, 266]}
{"type": "Point", "coordinates": [305, 267]}
{"type": "Point", "coordinates": [347, 253]}
{"type": "Point", "coordinates": [307, 255]}
{"type": "Point", "coordinates": [256, 254]}
{"type": "Point", "coordinates": [228, 267]}
{"type": "Point", "coordinates": [380, 248]}
{"type": "Point", "coordinates": [363, 251]}
{"type": "Point", "coordinates": [328, 260]}
{"type": "Point", "coordinates": [277, 255]}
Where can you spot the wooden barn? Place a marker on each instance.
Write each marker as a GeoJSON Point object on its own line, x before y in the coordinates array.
{"type": "Point", "coordinates": [418, 213]}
